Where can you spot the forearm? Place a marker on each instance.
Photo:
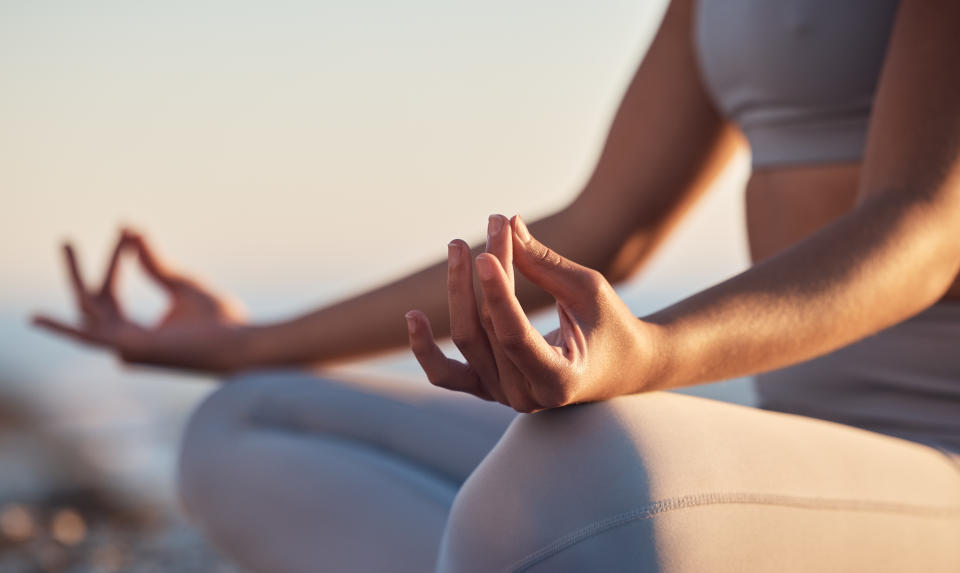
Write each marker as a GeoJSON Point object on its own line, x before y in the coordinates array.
{"type": "Point", "coordinates": [873, 268]}
{"type": "Point", "coordinates": [373, 322]}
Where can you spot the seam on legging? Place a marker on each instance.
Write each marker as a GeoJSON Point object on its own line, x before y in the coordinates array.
{"type": "Point", "coordinates": [687, 501]}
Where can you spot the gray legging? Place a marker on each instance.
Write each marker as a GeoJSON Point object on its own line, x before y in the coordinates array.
{"type": "Point", "coordinates": [288, 472]}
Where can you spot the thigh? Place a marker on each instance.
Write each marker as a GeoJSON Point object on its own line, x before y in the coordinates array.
{"type": "Point", "coordinates": [443, 432]}
{"type": "Point", "coordinates": [288, 472]}
{"type": "Point", "coordinates": [664, 482]}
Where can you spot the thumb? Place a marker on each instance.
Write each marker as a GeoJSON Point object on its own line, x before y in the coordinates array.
{"type": "Point", "coordinates": [567, 281]}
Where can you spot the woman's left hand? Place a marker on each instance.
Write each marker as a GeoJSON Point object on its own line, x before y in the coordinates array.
{"type": "Point", "coordinates": [600, 350]}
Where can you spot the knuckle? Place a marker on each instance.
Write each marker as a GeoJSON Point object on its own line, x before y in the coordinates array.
{"type": "Point", "coordinates": [437, 379]}
{"type": "Point", "coordinates": [486, 321]}
{"type": "Point", "coordinates": [423, 350]}
{"type": "Point", "coordinates": [546, 257]}
{"type": "Point", "coordinates": [480, 393]}
{"type": "Point", "coordinates": [417, 345]}
{"type": "Point", "coordinates": [464, 339]}
{"type": "Point", "coordinates": [493, 297]}
{"type": "Point", "coordinates": [523, 408]}
{"type": "Point", "coordinates": [456, 286]}
{"type": "Point", "coordinates": [555, 396]}
{"type": "Point", "coordinates": [594, 280]}
{"type": "Point", "coordinates": [491, 386]}
{"type": "Point", "coordinates": [514, 340]}
{"type": "Point", "coordinates": [523, 404]}
{"type": "Point", "coordinates": [487, 325]}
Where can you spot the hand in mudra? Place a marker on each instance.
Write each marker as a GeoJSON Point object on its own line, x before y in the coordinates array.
{"type": "Point", "coordinates": [200, 330]}
{"type": "Point", "coordinates": [600, 350]}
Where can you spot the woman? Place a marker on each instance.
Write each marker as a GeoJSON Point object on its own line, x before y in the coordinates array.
{"type": "Point", "coordinates": [849, 316]}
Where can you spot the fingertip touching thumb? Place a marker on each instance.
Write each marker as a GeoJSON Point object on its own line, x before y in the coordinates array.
{"type": "Point", "coordinates": [520, 229]}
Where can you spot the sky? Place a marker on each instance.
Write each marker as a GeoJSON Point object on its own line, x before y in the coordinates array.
{"type": "Point", "coordinates": [278, 145]}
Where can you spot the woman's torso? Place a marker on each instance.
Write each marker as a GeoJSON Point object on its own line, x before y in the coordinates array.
{"type": "Point", "coordinates": [798, 77]}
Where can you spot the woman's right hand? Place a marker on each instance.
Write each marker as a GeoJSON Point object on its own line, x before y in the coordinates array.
{"type": "Point", "coordinates": [201, 330]}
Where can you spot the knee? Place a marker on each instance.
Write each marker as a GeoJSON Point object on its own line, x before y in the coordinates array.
{"type": "Point", "coordinates": [211, 429]}
{"type": "Point", "coordinates": [590, 487]}
{"type": "Point", "coordinates": [554, 477]}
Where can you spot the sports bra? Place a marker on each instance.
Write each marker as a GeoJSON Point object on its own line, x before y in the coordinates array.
{"type": "Point", "coordinates": [797, 76]}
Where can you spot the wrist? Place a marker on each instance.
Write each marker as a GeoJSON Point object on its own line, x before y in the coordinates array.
{"type": "Point", "coordinates": [248, 348]}
{"type": "Point", "coordinates": [658, 362]}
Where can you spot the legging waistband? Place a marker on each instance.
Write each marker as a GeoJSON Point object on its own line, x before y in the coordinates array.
{"type": "Point", "coordinates": [902, 381]}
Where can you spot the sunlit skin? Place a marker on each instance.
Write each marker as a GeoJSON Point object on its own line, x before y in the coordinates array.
{"type": "Point", "coordinates": [841, 252]}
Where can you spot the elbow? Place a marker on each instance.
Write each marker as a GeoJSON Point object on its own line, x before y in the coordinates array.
{"type": "Point", "coordinates": [944, 267]}
{"type": "Point", "coordinates": [937, 284]}
{"type": "Point", "coordinates": [623, 255]}
{"type": "Point", "coordinates": [926, 232]}
{"type": "Point", "coordinates": [616, 250]}
{"type": "Point", "coordinates": [624, 259]}
{"type": "Point", "coordinates": [620, 255]}
{"type": "Point", "coordinates": [938, 223]}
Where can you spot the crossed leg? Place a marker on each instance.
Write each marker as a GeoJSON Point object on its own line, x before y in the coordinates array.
{"type": "Point", "coordinates": [287, 472]}
{"type": "Point", "coordinates": [663, 482]}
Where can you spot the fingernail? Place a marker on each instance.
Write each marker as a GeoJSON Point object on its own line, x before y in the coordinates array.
{"type": "Point", "coordinates": [453, 253]}
{"type": "Point", "coordinates": [522, 232]}
{"type": "Point", "coordinates": [411, 323]}
{"type": "Point", "coordinates": [484, 268]}
{"type": "Point", "coordinates": [495, 224]}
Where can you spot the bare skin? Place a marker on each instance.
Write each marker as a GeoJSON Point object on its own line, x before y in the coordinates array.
{"type": "Point", "coordinates": [786, 205]}
{"type": "Point", "coordinates": [843, 251]}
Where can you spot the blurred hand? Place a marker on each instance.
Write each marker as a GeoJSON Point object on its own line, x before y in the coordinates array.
{"type": "Point", "coordinates": [600, 350]}
{"type": "Point", "coordinates": [200, 330]}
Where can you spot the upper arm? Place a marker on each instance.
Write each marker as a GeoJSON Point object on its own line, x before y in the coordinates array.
{"type": "Point", "coordinates": [666, 141]}
{"type": "Point", "coordinates": [913, 145]}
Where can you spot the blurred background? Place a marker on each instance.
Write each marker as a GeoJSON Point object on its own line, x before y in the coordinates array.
{"type": "Point", "coordinates": [290, 152]}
